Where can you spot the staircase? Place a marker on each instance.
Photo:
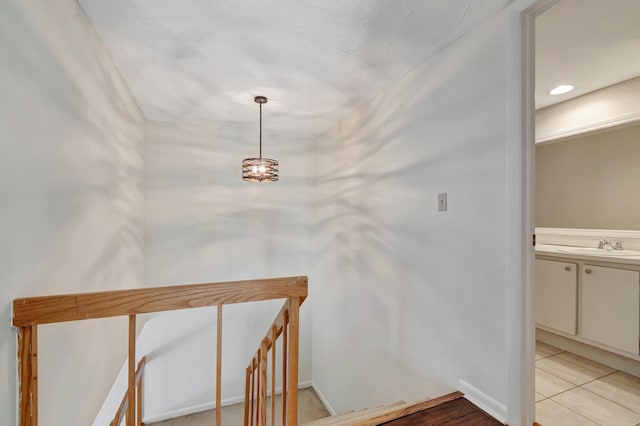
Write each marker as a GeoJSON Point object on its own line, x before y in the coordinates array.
{"type": "Point", "coordinates": [258, 409]}
{"type": "Point", "coordinates": [451, 409]}
{"type": "Point", "coordinates": [31, 312]}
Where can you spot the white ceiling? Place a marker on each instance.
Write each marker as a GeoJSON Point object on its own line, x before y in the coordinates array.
{"type": "Point", "coordinates": [588, 43]}
{"type": "Point", "coordinates": [202, 61]}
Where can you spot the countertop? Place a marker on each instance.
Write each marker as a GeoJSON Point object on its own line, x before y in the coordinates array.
{"type": "Point", "coordinates": [561, 251]}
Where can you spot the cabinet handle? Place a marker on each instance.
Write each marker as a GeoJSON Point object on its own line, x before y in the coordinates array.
{"type": "Point", "coordinates": [567, 268]}
{"type": "Point", "coordinates": [587, 271]}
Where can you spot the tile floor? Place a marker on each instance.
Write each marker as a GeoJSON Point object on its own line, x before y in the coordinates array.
{"type": "Point", "coordinates": [309, 408]}
{"type": "Point", "coordinates": [571, 390]}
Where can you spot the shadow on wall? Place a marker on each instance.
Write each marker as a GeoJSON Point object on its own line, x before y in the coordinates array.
{"type": "Point", "coordinates": [72, 199]}
{"type": "Point", "coordinates": [401, 278]}
{"type": "Point", "coordinates": [204, 224]}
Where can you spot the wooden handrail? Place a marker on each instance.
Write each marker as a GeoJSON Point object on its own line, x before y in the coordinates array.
{"type": "Point", "coordinates": [73, 307]}
{"type": "Point", "coordinates": [122, 408]}
{"type": "Point", "coordinates": [29, 313]}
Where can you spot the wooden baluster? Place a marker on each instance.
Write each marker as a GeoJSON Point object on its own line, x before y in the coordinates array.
{"type": "Point", "coordinates": [247, 385]}
{"type": "Point", "coordinates": [28, 375]}
{"type": "Point", "coordinates": [285, 354]}
{"type": "Point", "coordinates": [131, 395]}
{"type": "Point", "coordinates": [139, 411]}
{"type": "Point", "coordinates": [34, 375]}
{"type": "Point", "coordinates": [257, 373]}
{"type": "Point", "coordinates": [253, 387]}
{"type": "Point", "coordinates": [263, 381]}
{"type": "Point", "coordinates": [294, 328]}
{"type": "Point", "coordinates": [274, 336]}
{"type": "Point", "coordinates": [219, 369]}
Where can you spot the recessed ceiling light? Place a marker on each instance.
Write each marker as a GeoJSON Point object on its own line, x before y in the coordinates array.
{"type": "Point", "coordinates": [561, 89]}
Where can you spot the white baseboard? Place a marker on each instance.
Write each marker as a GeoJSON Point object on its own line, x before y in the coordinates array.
{"type": "Point", "coordinates": [212, 405]}
{"type": "Point", "coordinates": [484, 401]}
{"type": "Point", "coordinates": [627, 363]}
{"type": "Point", "coordinates": [323, 399]}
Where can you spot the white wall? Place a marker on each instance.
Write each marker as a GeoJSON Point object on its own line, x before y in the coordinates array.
{"type": "Point", "coordinates": [204, 224]}
{"type": "Point", "coordinates": [71, 166]}
{"type": "Point", "coordinates": [408, 300]}
{"type": "Point", "coordinates": [590, 182]}
{"type": "Point", "coordinates": [608, 107]}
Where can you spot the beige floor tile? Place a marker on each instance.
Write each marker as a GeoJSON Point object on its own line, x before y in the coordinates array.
{"type": "Point", "coordinates": [541, 354]}
{"type": "Point", "coordinates": [586, 363]}
{"type": "Point", "coordinates": [623, 394]}
{"type": "Point", "coordinates": [550, 413]}
{"type": "Point", "coordinates": [548, 385]}
{"type": "Point", "coordinates": [552, 350]}
{"type": "Point", "coordinates": [597, 408]}
{"type": "Point", "coordinates": [567, 370]}
{"type": "Point", "coordinates": [539, 397]}
{"type": "Point", "coordinates": [627, 379]}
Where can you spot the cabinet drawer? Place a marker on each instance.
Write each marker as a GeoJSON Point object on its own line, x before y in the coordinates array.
{"type": "Point", "coordinates": [610, 307]}
{"type": "Point", "coordinates": [556, 295]}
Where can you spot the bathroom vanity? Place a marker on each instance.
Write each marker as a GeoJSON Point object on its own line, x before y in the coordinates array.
{"type": "Point", "coordinates": [589, 295]}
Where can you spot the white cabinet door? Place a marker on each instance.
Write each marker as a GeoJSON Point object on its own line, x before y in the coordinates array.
{"type": "Point", "coordinates": [556, 295]}
{"type": "Point", "coordinates": [610, 311]}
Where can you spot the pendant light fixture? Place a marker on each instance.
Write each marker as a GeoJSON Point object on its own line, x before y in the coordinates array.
{"type": "Point", "coordinates": [260, 169]}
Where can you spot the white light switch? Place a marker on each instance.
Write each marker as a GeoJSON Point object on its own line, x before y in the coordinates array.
{"type": "Point", "coordinates": [442, 202]}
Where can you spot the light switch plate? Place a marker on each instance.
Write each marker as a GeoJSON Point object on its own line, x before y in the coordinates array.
{"type": "Point", "coordinates": [442, 202]}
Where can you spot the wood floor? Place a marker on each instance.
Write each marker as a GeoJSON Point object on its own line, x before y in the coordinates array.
{"type": "Point", "coordinates": [456, 412]}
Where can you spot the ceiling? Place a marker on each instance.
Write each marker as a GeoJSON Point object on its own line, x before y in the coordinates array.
{"type": "Point", "coordinates": [202, 61]}
{"type": "Point", "coordinates": [588, 43]}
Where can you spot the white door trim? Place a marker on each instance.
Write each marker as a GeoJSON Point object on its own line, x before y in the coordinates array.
{"type": "Point", "coordinates": [520, 213]}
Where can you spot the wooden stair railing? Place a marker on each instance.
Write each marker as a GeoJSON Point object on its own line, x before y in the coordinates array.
{"type": "Point", "coordinates": [122, 409]}
{"type": "Point", "coordinates": [287, 325]}
{"type": "Point", "coordinates": [29, 313]}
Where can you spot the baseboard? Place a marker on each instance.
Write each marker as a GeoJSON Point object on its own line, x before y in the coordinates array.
{"type": "Point", "coordinates": [192, 410]}
{"type": "Point", "coordinates": [589, 351]}
{"type": "Point", "coordinates": [484, 401]}
{"type": "Point", "coordinates": [211, 405]}
{"type": "Point", "coordinates": [323, 399]}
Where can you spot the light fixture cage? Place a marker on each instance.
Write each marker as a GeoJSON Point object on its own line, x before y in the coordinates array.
{"type": "Point", "coordinates": [260, 169]}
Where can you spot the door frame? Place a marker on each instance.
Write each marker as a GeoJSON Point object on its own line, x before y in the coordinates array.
{"type": "Point", "coordinates": [520, 169]}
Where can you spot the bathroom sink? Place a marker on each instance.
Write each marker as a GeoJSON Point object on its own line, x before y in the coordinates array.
{"type": "Point", "coordinates": [599, 252]}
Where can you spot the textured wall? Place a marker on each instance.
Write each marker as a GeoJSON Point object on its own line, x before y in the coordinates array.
{"type": "Point", "coordinates": [409, 300]}
{"type": "Point", "coordinates": [590, 181]}
{"type": "Point", "coordinates": [71, 161]}
{"type": "Point", "coordinates": [204, 224]}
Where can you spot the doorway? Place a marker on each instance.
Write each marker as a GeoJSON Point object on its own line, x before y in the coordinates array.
{"type": "Point", "coordinates": [584, 372]}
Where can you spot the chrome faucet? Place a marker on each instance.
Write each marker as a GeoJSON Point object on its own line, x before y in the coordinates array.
{"type": "Point", "coordinates": [610, 245]}
{"type": "Point", "coordinates": [605, 245]}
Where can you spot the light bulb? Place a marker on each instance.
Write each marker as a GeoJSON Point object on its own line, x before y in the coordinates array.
{"type": "Point", "coordinates": [263, 169]}
{"type": "Point", "coordinates": [561, 89]}
{"type": "Point", "coordinates": [254, 169]}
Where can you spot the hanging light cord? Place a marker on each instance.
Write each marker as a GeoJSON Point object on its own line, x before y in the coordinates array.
{"type": "Point", "coordinates": [261, 130]}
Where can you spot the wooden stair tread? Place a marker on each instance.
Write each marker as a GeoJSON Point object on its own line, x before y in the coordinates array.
{"type": "Point", "coordinates": [351, 416]}
{"type": "Point", "coordinates": [407, 409]}
{"type": "Point", "coordinates": [376, 416]}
